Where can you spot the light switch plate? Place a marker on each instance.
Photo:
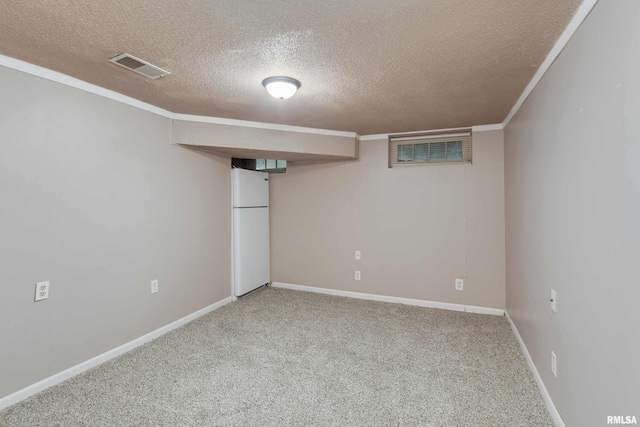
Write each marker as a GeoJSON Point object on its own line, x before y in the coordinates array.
{"type": "Point", "coordinates": [357, 254]}
{"type": "Point", "coordinates": [554, 298]}
{"type": "Point", "coordinates": [154, 286]}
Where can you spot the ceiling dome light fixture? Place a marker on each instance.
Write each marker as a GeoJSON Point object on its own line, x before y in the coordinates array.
{"type": "Point", "coordinates": [281, 87]}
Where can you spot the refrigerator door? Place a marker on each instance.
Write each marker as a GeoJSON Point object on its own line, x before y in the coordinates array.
{"type": "Point", "coordinates": [250, 188]}
{"type": "Point", "coordinates": [251, 249]}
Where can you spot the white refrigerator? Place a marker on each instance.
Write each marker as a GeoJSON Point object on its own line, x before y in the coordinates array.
{"type": "Point", "coordinates": [250, 230]}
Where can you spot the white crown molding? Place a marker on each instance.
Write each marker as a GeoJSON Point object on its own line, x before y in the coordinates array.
{"type": "Point", "coordinates": [262, 125]}
{"type": "Point", "coordinates": [485, 128]}
{"type": "Point", "coordinates": [374, 137]}
{"type": "Point", "coordinates": [58, 77]}
{"type": "Point", "coordinates": [431, 131]}
{"type": "Point", "coordinates": [579, 17]}
{"type": "Point", "coordinates": [64, 79]}
{"type": "Point", "coordinates": [396, 300]}
{"type": "Point", "coordinates": [557, 419]}
{"type": "Point", "coordinates": [480, 128]}
{"type": "Point", "coordinates": [88, 364]}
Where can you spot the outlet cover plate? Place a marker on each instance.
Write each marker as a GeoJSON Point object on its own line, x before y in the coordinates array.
{"type": "Point", "coordinates": [42, 291]}
{"type": "Point", "coordinates": [459, 285]}
{"type": "Point", "coordinates": [554, 364]}
{"type": "Point", "coordinates": [357, 275]}
{"type": "Point", "coordinates": [154, 286]}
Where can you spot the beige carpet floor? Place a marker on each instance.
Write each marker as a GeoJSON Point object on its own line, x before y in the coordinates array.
{"type": "Point", "coordinates": [280, 357]}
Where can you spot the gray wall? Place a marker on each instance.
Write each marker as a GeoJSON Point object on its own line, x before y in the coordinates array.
{"type": "Point", "coordinates": [409, 223]}
{"type": "Point", "coordinates": [572, 174]}
{"type": "Point", "coordinates": [95, 199]}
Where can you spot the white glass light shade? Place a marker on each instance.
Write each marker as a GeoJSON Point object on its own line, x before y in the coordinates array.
{"type": "Point", "coordinates": [281, 87]}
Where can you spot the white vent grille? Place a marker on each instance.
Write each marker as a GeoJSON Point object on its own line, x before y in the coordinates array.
{"type": "Point", "coordinates": [138, 65]}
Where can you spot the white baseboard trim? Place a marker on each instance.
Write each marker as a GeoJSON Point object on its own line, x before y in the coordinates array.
{"type": "Point", "coordinates": [484, 310]}
{"type": "Point", "coordinates": [397, 300]}
{"type": "Point", "coordinates": [81, 367]}
{"type": "Point", "coordinates": [557, 419]}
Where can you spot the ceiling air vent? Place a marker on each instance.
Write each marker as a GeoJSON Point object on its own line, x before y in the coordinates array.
{"type": "Point", "coordinates": [132, 63]}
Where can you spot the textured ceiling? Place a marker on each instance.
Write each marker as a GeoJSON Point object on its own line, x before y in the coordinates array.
{"type": "Point", "coordinates": [369, 66]}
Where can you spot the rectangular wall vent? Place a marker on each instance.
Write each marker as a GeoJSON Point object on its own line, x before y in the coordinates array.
{"type": "Point", "coordinates": [138, 65]}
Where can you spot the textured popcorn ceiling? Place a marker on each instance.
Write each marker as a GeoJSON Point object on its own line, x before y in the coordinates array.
{"type": "Point", "coordinates": [369, 66]}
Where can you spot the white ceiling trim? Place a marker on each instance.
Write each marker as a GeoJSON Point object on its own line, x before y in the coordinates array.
{"type": "Point", "coordinates": [484, 128]}
{"type": "Point", "coordinates": [57, 77]}
{"type": "Point", "coordinates": [374, 137]}
{"type": "Point", "coordinates": [64, 79]}
{"type": "Point", "coordinates": [67, 80]}
{"type": "Point", "coordinates": [430, 130]}
{"type": "Point", "coordinates": [262, 125]}
{"type": "Point", "coordinates": [574, 24]}
{"type": "Point", "coordinates": [481, 128]}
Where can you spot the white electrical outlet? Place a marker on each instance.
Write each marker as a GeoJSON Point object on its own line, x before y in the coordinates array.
{"type": "Point", "coordinates": [357, 254]}
{"type": "Point", "coordinates": [154, 286]}
{"type": "Point", "coordinates": [554, 364]}
{"type": "Point", "coordinates": [42, 291]}
{"type": "Point", "coordinates": [459, 285]}
{"type": "Point", "coordinates": [554, 298]}
{"type": "Point", "coordinates": [357, 275]}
